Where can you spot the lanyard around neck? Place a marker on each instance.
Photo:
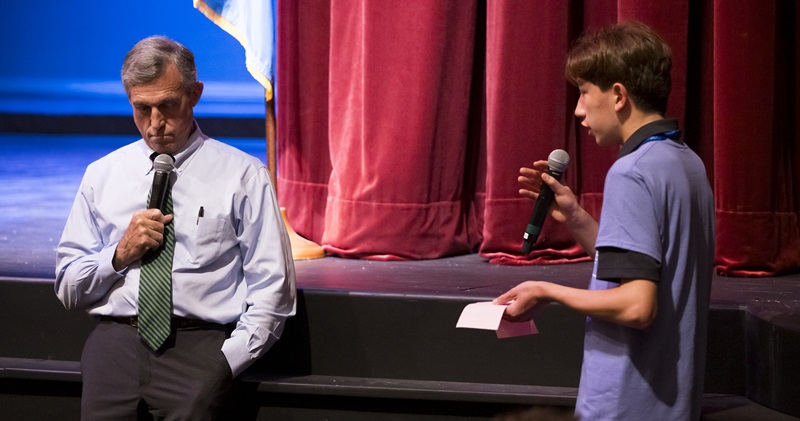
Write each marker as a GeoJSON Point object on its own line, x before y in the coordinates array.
{"type": "Point", "coordinates": [671, 135]}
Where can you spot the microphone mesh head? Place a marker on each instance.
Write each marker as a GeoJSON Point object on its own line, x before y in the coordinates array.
{"type": "Point", "coordinates": [558, 160]}
{"type": "Point", "coordinates": [164, 162]}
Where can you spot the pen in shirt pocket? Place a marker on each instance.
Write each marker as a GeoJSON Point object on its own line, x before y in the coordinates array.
{"type": "Point", "coordinates": [199, 215]}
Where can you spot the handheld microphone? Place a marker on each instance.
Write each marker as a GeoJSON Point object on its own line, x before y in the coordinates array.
{"type": "Point", "coordinates": [163, 165]}
{"type": "Point", "coordinates": [557, 163]}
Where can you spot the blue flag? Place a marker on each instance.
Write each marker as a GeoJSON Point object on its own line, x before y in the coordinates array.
{"type": "Point", "coordinates": [252, 23]}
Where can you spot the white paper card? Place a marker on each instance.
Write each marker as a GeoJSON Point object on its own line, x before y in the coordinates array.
{"type": "Point", "coordinates": [489, 316]}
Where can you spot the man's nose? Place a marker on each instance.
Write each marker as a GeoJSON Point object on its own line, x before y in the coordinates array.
{"type": "Point", "coordinates": [156, 118]}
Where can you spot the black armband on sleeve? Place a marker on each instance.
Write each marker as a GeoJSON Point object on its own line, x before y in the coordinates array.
{"type": "Point", "coordinates": [614, 264]}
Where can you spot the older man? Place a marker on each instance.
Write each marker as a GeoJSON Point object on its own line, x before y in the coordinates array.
{"type": "Point", "coordinates": [188, 292]}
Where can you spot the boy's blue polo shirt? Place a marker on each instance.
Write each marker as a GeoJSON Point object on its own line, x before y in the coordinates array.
{"type": "Point", "coordinates": [657, 202]}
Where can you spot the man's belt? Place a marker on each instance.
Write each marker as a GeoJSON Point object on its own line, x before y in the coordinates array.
{"type": "Point", "coordinates": [177, 322]}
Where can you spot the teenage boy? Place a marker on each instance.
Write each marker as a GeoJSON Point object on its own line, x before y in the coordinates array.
{"type": "Point", "coordinates": [647, 301]}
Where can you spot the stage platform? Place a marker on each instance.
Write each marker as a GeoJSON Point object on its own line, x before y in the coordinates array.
{"type": "Point", "coordinates": [377, 340]}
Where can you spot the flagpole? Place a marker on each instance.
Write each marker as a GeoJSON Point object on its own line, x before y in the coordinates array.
{"type": "Point", "coordinates": [253, 25]}
{"type": "Point", "coordinates": [271, 143]}
{"type": "Point", "coordinates": [302, 248]}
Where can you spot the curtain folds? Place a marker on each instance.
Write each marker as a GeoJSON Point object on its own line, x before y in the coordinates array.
{"type": "Point", "coordinates": [755, 103]}
{"type": "Point", "coordinates": [402, 125]}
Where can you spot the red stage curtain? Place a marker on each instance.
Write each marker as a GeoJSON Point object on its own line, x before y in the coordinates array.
{"type": "Point", "coordinates": [402, 125]}
{"type": "Point", "coordinates": [301, 114]}
{"type": "Point", "coordinates": [756, 133]}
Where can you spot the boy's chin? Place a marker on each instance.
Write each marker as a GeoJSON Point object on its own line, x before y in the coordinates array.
{"type": "Point", "coordinates": [607, 141]}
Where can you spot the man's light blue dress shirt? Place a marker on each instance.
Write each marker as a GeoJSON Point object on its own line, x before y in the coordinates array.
{"type": "Point", "coordinates": [232, 263]}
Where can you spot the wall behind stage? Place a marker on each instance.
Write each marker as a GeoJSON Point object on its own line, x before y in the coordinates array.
{"type": "Point", "coordinates": [65, 57]}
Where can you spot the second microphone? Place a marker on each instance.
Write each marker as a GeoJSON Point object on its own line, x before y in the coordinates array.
{"type": "Point", "coordinates": [557, 163]}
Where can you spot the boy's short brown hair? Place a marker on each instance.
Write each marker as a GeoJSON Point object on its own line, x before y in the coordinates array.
{"type": "Point", "coordinates": [630, 53]}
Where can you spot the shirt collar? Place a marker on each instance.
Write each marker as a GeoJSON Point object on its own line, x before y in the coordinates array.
{"type": "Point", "coordinates": [649, 129]}
{"type": "Point", "coordinates": [196, 140]}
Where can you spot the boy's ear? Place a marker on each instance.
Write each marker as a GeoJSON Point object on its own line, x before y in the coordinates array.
{"type": "Point", "coordinates": [620, 94]}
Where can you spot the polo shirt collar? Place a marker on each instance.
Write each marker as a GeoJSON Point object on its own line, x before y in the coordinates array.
{"type": "Point", "coordinates": [649, 129]}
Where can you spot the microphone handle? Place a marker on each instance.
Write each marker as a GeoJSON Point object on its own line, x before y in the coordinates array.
{"type": "Point", "coordinates": [539, 214]}
{"type": "Point", "coordinates": [159, 191]}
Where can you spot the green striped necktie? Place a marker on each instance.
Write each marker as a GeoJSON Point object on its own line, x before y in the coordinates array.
{"type": "Point", "coordinates": [155, 286]}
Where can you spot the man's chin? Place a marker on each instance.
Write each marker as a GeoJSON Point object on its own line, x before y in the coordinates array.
{"type": "Point", "coordinates": [161, 144]}
{"type": "Point", "coordinates": [161, 141]}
